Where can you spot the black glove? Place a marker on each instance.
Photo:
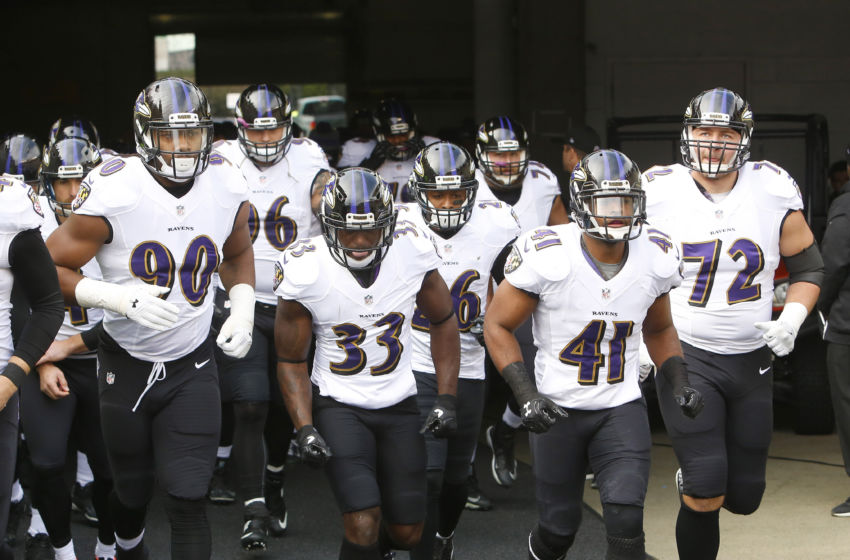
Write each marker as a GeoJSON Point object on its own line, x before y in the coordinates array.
{"type": "Point", "coordinates": [477, 329]}
{"type": "Point", "coordinates": [312, 447]}
{"type": "Point", "coordinates": [379, 155]}
{"type": "Point", "coordinates": [689, 400]}
{"type": "Point", "coordinates": [540, 413]}
{"type": "Point", "coordinates": [442, 420]}
{"type": "Point", "coordinates": [417, 144]}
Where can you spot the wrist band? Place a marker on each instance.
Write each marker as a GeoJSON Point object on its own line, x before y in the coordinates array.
{"type": "Point", "coordinates": [15, 373]}
{"type": "Point", "coordinates": [441, 321]}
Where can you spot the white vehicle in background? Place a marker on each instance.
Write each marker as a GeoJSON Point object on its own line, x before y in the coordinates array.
{"type": "Point", "coordinates": [309, 111]}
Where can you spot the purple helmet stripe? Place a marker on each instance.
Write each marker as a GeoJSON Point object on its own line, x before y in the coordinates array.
{"type": "Point", "coordinates": [454, 163]}
{"type": "Point", "coordinates": [365, 193]}
{"type": "Point", "coordinates": [268, 109]}
{"type": "Point", "coordinates": [621, 172]}
{"type": "Point", "coordinates": [187, 95]}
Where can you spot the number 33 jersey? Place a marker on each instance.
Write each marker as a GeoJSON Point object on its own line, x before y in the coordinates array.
{"type": "Point", "coordinates": [730, 251]}
{"type": "Point", "coordinates": [162, 240]}
{"type": "Point", "coordinates": [587, 329]}
{"type": "Point", "coordinates": [363, 345]}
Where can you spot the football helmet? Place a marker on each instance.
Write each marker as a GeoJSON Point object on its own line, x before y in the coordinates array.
{"type": "Point", "coordinates": [177, 111]}
{"type": "Point", "coordinates": [502, 134]}
{"type": "Point", "coordinates": [607, 199]}
{"type": "Point", "coordinates": [718, 107]}
{"type": "Point", "coordinates": [67, 158]}
{"type": "Point", "coordinates": [444, 167]}
{"type": "Point", "coordinates": [20, 157]}
{"type": "Point", "coordinates": [262, 107]}
{"type": "Point", "coordinates": [73, 127]}
{"type": "Point", "coordinates": [394, 118]}
{"type": "Point", "coordinates": [357, 199]}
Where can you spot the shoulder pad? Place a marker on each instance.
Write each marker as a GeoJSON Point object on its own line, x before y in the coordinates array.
{"type": "Point", "coordinates": [501, 219]}
{"type": "Point", "coordinates": [776, 182]}
{"type": "Point", "coordinates": [299, 267]}
{"type": "Point", "coordinates": [230, 183]}
{"type": "Point", "coordinates": [661, 252]}
{"type": "Point", "coordinates": [109, 187]}
{"type": "Point", "coordinates": [19, 206]}
{"type": "Point", "coordinates": [542, 251]}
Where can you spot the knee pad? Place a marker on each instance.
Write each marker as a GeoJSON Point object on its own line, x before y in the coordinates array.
{"type": "Point", "coordinates": [546, 545]}
{"type": "Point", "coordinates": [623, 521]}
{"type": "Point", "coordinates": [183, 510]}
{"type": "Point", "coordinates": [251, 412]}
{"type": "Point", "coordinates": [744, 499]}
{"type": "Point", "coordinates": [626, 549]}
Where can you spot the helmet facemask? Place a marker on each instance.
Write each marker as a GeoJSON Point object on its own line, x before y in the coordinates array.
{"type": "Point", "coordinates": [613, 213]}
{"type": "Point", "coordinates": [508, 174]}
{"type": "Point", "coordinates": [694, 150]}
{"type": "Point", "coordinates": [266, 153]}
{"type": "Point", "coordinates": [344, 255]}
{"type": "Point", "coordinates": [502, 135]}
{"type": "Point", "coordinates": [446, 220]}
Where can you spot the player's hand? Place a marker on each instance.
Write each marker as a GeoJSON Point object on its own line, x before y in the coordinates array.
{"type": "Point", "coordinates": [7, 390]}
{"type": "Point", "coordinates": [442, 420]}
{"type": "Point", "coordinates": [778, 335]}
{"type": "Point", "coordinates": [477, 329]}
{"type": "Point", "coordinates": [235, 337]}
{"type": "Point", "coordinates": [540, 413]}
{"type": "Point", "coordinates": [143, 305]}
{"type": "Point", "coordinates": [689, 400]}
{"type": "Point", "coordinates": [379, 155]}
{"type": "Point", "coordinates": [52, 381]}
{"type": "Point", "coordinates": [58, 351]}
{"type": "Point", "coordinates": [647, 366]}
{"type": "Point", "coordinates": [312, 447]}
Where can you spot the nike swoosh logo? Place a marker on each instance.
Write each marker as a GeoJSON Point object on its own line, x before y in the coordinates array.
{"type": "Point", "coordinates": [763, 371]}
{"type": "Point", "coordinates": [202, 364]}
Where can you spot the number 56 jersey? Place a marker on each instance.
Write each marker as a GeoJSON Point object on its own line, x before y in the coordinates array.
{"type": "Point", "coordinates": [587, 329]}
{"type": "Point", "coordinates": [362, 333]}
{"type": "Point", "coordinates": [162, 240]}
{"type": "Point", "coordinates": [730, 251]}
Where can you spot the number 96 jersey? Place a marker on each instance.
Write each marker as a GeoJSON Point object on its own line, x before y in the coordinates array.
{"type": "Point", "coordinates": [730, 251]}
{"type": "Point", "coordinates": [587, 329]}
{"type": "Point", "coordinates": [362, 334]}
{"type": "Point", "coordinates": [162, 240]}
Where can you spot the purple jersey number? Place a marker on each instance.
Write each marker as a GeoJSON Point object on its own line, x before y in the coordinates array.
{"type": "Point", "coordinates": [466, 303]}
{"type": "Point", "coordinates": [153, 263]}
{"type": "Point", "coordinates": [585, 352]}
{"type": "Point", "coordinates": [280, 230]}
{"type": "Point", "coordinates": [707, 253]}
{"type": "Point", "coordinates": [352, 336]}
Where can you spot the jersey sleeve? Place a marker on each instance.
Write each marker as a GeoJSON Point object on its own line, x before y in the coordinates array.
{"type": "Point", "coordinates": [234, 187]}
{"type": "Point", "coordinates": [779, 186]}
{"type": "Point", "coordinates": [422, 255]}
{"type": "Point", "coordinates": [667, 264]}
{"type": "Point", "coordinates": [535, 261]}
{"type": "Point", "coordinates": [312, 156]}
{"type": "Point", "coordinates": [19, 206]}
{"type": "Point", "coordinates": [103, 192]}
{"type": "Point", "coordinates": [296, 272]}
{"type": "Point", "coordinates": [354, 151]}
{"type": "Point", "coordinates": [504, 221]}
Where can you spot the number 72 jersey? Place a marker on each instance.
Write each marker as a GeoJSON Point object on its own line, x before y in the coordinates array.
{"type": "Point", "coordinates": [730, 251]}
{"type": "Point", "coordinates": [587, 329]}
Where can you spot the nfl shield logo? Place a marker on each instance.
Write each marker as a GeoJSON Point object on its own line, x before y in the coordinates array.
{"type": "Point", "coordinates": [110, 378]}
{"type": "Point", "coordinates": [606, 293]}
{"type": "Point", "coordinates": [368, 300]}
{"type": "Point", "coordinates": [180, 210]}
{"type": "Point", "coordinates": [447, 248]}
{"type": "Point", "coordinates": [718, 214]}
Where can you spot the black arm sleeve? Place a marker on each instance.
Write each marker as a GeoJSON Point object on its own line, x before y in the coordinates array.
{"type": "Point", "coordinates": [34, 271]}
{"type": "Point", "coordinates": [497, 272]}
{"type": "Point", "coordinates": [91, 337]}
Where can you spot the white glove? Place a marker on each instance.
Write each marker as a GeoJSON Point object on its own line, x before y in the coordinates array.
{"type": "Point", "coordinates": [236, 333]}
{"type": "Point", "coordinates": [779, 335]}
{"type": "Point", "coordinates": [138, 302]}
{"type": "Point", "coordinates": [647, 367]}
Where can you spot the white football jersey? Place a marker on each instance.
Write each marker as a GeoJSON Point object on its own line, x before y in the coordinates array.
{"type": "Point", "coordinates": [468, 257]}
{"type": "Point", "coordinates": [539, 189]}
{"type": "Point", "coordinates": [394, 173]}
{"type": "Point", "coordinates": [587, 329]}
{"type": "Point", "coordinates": [363, 346]}
{"type": "Point", "coordinates": [20, 210]}
{"type": "Point", "coordinates": [356, 150]}
{"type": "Point", "coordinates": [162, 240]}
{"type": "Point", "coordinates": [280, 204]}
{"type": "Point", "coordinates": [77, 319]}
{"type": "Point", "coordinates": [730, 251]}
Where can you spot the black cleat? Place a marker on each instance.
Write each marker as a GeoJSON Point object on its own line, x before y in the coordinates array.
{"type": "Point", "coordinates": [220, 490]}
{"type": "Point", "coordinates": [38, 547]}
{"type": "Point", "coordinates": [139, 552]}
{"type": "Point", "coordinates": [276, 503]}
{"type": "Point", "coordinates": [17, 513]}
{"type": "Point", "coordinates": [81, 501]}
{"type": "Point", "coordinates": [500, 440]}
{"type": "Point", "coordinates": [475, 500]}
{"type": "Point", "coordinates": [444, 548]}
{"type": "Point", "coordinates": [255, 527]}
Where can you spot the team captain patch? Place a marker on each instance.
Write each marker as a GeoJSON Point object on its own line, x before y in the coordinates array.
{"type": "Point", "coordinates": [513, 261]}
{"type": "Point", "coordinates": [278, 275]}
{"type": "Point", "coordinates": [82, 196]}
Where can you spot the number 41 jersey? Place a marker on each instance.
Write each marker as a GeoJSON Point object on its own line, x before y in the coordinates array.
{"type": "Point", "coordinates": [730, 251]}
{"type": "Point", "coordinates": [362, 334]}
{"type": "Point", "coordinates": [586, 328]}
{"type": "Point", "coordinates": [159, 239]}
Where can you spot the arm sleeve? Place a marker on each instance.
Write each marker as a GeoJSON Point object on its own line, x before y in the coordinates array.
{"type": "Point", "coordinates": [836, 260]}
{"type": "Point", "coordinates": [35, 272]}
{"type": "Point", "coordinates": [497, 272]}
{"type": "Point", "coordinates": [91, 337]}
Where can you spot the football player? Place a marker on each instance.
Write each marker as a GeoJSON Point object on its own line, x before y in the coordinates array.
{"type": "Point", "coordinates": [24, 260]}
{"type": "Point", "coordinates": [20, 158]}
{"type": "Point", "coordinates": [474, 239]}
{"type": "Point", "coordinates": [280, 171]}
{"type": "Point", "coordinates": [592, 287]}
{"type": "Point", "coordinates": [506, 173]}
{"type": "Point", "coordinates": [161, 224]}
{"type": "Point", "coordinates": [357, 411]}
{"type": "Point", "coordinates": [64, 395]}
{"type": "Point", "coordinates": [397, 141]}
{"type": "Point", "coordinates": [732, 220]}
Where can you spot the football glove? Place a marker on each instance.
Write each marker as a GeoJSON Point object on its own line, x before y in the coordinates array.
{"type": "Point", "coordinates": [779, 335]}
{"type": "Point", "coordinates": [379, 155]}
{"type": "Point", "coordinates": [312, 447]}
{"type": "Point", "coordinates": [477, 329]}
{"type": "Point", "coordinates": [540, 413]}
{"type": "Point", "coordinates": [236, 333]}
{"type": "Point", "coordinates": [442, 420]}
{"type": "Point", "coordinates": [138, 302]}
{"type": "Point", "coordinates": [689, 400]}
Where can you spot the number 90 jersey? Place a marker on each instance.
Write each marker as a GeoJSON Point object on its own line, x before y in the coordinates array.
{"type": "Point", "coordinates": [362, 334]}
{"type": "Point", "coordinates": [20, 210]}
{"type": "Point", "coordinates": [730, 251]}
{"type": "Point", "coordinates": [587, 329]}
{"type": "Point", "coordinates": [468, 256]}
{"type": "Point", "coordinates": [162, 240]}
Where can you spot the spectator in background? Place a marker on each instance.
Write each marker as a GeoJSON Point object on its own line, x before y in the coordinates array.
{"type": "Point", "coordinates": [224, 130]}
{"type": "Point", "coordinates": [838, 176]}
{"type": "Point", "coordinates": [834, 305]}
{"type": "Point", "coordinates": [578, 142]}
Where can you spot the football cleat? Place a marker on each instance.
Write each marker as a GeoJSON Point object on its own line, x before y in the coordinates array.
{"type": "Point", "coordinates": [220, 490]}
{"type": "Point", "coordinates": [276, 504]}
{"type": "Point", "coordinates": [17, 512]}
{"type": "Point", "coordinates": [38, 547]}
{"type": "Point", "coordinates": [255, 527]}
{"type": "Point", "coordinates": [500, 440]}
{"type": "Point", "coordinates": [842, 509]}
{"type": "Point", "coordinates": [475, 500]}
{"type": "Point", "coordinates": [81, 501]}
{"type": "Point", "coordinates": [444, 548]}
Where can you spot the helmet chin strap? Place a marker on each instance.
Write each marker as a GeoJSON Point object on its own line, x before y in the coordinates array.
{"type": "Point", "coordinates": [358, 264]}
{"type": "Point", "coordinates": [185, 168]}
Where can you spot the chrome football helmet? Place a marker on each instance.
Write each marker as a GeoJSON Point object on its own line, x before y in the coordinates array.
{"type": "Point", "coordinates": [264, 107]}
{"type": "Point", "coordinates": [718, 107]}
{"type": "Point", "coordinates": [444, 167]}
{"type": "Point", "coordinates": [67, 158]}
{"type": "Point", "coordinates": [498, 135]}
